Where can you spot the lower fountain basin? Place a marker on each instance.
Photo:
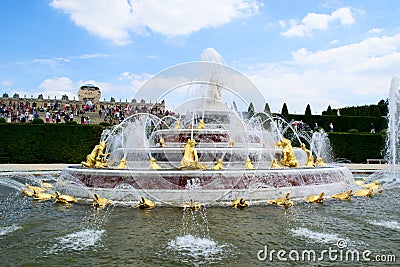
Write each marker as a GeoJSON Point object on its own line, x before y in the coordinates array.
{"type": "Point", "coordinates": [172, 186]}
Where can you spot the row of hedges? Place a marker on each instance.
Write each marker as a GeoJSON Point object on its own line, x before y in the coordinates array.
{"type": "Point", "coordinates": [63, 143]}
{"type": "Point", "coordinates": [341, 123]}
{"type": "Point", "coordinates": [47, 143]}
{"type": "Point", "coordinates": [357, 147]}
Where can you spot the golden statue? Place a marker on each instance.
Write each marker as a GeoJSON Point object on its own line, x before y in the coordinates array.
{"type": "Point", "coordinates": [303, 147]}
{"type": "Point", "coordinates": [316, 198]}
{"type": "Point", "coordinates": [177, 125]}
{"type": "Point", "coordinates": [161, 143]}
{"type": "Point", "coordinates": [364, 193]}
{"type": "Point", "coordinates": [218, 166]}
{"type": "Point", "coordinates": [319, 162]}
{"type": "Point", "coordinates": [249, 165]}
{"type": "Point", "coordinates": [310, 158]}
{"type": "Point", "coordinates": [64, 198]}
{"type": "Point", "coordinates": [190, 158]}
{"type": "Point", "coordinates": [100, 202]}
{"type": "Point", "coordinates": [344, 196]}
{"type": "Point", "coordinates": [310, 162]}
{"type": "Point", "coordinates": [192, 205]}
{"type": "Point", "coordinates": [154, 165]}
{"type": "Point", "coordinates": [96, 153]}
{"type": "Point", "coordinates": [27, 192]}
{"type": "Point", "coordinates": [360, 182]}
{"type": "Point", "coordinates": [374, 185]}
{"type": "Point", "coordinates": [37, 195]}
{"type": "Point", "coordinates": [288, 157]}
{"type": "Point", "coordinates": [35, 188]}
{"type": "Point", "coordinates": [282, 201]}
{"type": "Point", "coordinates": [201, 125]}
{"type": "Point", "coordinates": [231, 143]}
{"type": "Point", "coordinates": [145, 203]}
{"type": "Point", "coordinates": [275, 164]}
{"type": "Point", "coordinates": [122, 164]}
{"type": "Point", "coordinates": [239, 203]}
{"type": "Point", "coordinates": [101, 162]}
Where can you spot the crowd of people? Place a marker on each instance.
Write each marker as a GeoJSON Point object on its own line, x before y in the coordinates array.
{"type": "Point", "coordinates": [26, 112]}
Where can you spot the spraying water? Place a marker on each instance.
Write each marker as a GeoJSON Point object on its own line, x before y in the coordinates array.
{"type": "Point", "coordinates": [394, 125]}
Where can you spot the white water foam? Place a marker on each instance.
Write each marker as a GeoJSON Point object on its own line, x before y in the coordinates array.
{"type": "Point", "coordinates": [316, 236]}
{"type": "Point", "coordinates": [78, 241]}
{"type": "Point", "coordinates": [197, 247]}
{"type": "Point", "coordinates": [387, 224]}
{"type": "Point", "coordinates": [9, 229]}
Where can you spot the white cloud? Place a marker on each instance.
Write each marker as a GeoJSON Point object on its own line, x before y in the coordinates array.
{"type": "Point", "coordinates": [55, 61]}
{"type": "Point", "coordinates": [333, 42]}
{"type": "Point", "coordinates": [353, 74]}
{"type": "Point", "coordinates": [6, 83]}
{"type": "Point", "coordinates": [63, 83]}
{"type": "Point", "coordinates": [346, 56]}
{"type": "Point", "coordinates": [57, 87]}
{"type": "Point", "coordinates": [376, 30]}
{"type": "Point", "coordinates": [170, 18]}
{"type": "Point", "coordinates": [90, 56]}
{"type": "Point", "coordinates": [314, 21]}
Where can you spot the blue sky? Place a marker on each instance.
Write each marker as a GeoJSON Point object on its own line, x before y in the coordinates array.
{"type": "Point", "coordinates": [298, 52]}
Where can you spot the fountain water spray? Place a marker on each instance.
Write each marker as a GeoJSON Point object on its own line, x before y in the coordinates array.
{"type": "Point", "coordinates": [205, 158]}
{"type": "Point", "coordinates": [392, 144]}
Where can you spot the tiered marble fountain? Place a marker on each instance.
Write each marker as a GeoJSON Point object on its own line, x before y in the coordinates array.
{"type": "Point", "coordinates": [205, 149]}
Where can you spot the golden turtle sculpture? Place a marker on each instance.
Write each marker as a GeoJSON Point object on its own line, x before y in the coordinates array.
{"type": "Point", "coordinates": [240, 203]}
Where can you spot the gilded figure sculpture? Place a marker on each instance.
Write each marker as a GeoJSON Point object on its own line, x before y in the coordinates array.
{"type": "Point", "coordinates": [288, 158]}
{"type": "Point", "coordinates": [154, 165]}
{"type": "Point", "coordinates": [161, 143]}
{"type": "Point", "coordinates": [190, 158]}
{"type": "Point", "coordinates": [95, 156]}
{"type": "Point", "coordinates": [239, 203]}
{"type": "Point", "coordinates": [319, 162]}
{"type": "Point", "coordinates": [310, 162]}
{"type": "Point", "coordinates": [122, 164]}
{"type": "Point", "coordinates": [218, 166]}
{"type": "Point", "coordinates": [315, 198]}
{"type": "Point", "coordinates": [201, 125]}
{"type": "Point", "coordinates": [177, 125]}
{"type": "Point", "coordinates": [249, 165]}
{"type": "Point", "coordinates": [275, 164]}
{"type": "Point", "coordinates": [231, 143]}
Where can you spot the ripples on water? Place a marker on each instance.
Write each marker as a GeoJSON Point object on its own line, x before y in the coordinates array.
{"type": "Point", "coordinates": [45, 233]}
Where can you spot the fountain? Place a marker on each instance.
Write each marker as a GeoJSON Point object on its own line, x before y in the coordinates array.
{"type": "Point", "coordinates": [204, 149]}
{"type": "Point", "coordinates": [388, 176]}
{"type": "Point", "coordinates": [394, 124]}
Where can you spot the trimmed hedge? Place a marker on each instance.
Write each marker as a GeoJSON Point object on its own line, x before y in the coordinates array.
{"type": "Point", "coordinates": [357, 147]}
{"type": "Point", "coordinates": [47, 143]}
{"type": "Point", "coordinates": [70, 143]}
{"type": "Point", "coordinates": [341, 123]}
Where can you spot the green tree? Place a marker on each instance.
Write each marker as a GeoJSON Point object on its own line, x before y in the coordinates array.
{"type": "Point", "coordinates": [284, 110]}
{"type": "Point", "coordinates": [383, 106]}
{"type": "Point", "coordinates": [267, 109]}
{"type": "Point", "coordinates": [250, 110]}
{"type": "Point", "coordinates": [376, 112]}
{"type": "Point", "coordinates": [329, 110]}
{"type": "Point", "coordinates": [308, 110]}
